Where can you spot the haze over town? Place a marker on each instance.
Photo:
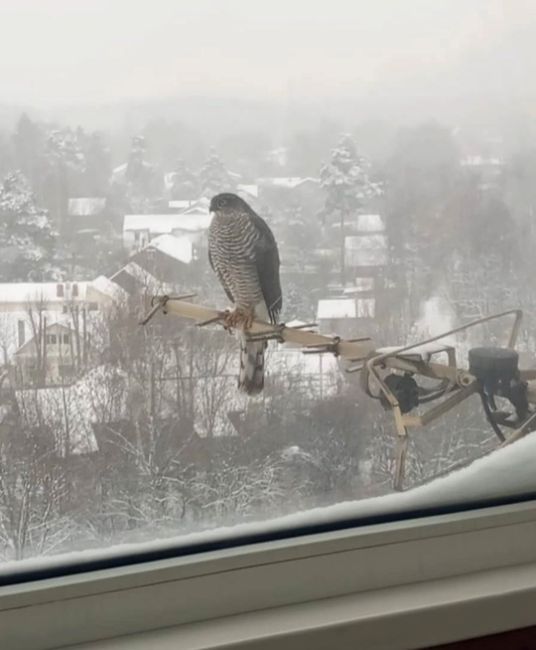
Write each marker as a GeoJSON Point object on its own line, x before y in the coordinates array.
{"type": "Point", "coordinates": [391, 148]}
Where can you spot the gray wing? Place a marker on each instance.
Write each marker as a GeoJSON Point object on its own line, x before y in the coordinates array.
{"type": "Point", "coordinates": [267, 263]}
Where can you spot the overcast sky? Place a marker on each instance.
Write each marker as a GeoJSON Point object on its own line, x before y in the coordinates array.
{"type": "Point", "coordinates": [54, 52]}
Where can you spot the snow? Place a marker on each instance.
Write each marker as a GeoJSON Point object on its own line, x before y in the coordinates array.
{"type": "Point", "coordinates": [361, 285]}
{"type": "Point", "coordinates": [104, 285]}
{"type": "Point", "coordinates": [251, 190]}
{"type": "Point", "coordinates": [486, 479]}
{"type": "Point", "coordinates": [336, 308]}
{"type": "Point", "coordinates": [72, 410]}
{"type": "Point", "coordinates": [365, 307]}
{"type": "Point", "coordinates": [181, 204]}
{"type": "Point", "coordinates": [366, 250]}
{"type": "Point", "coordinates": [159, 224]}
{"type": "Point", "coordinates": [179, 248]}
{"type": "Point", "coordinates": [23, 292]}
{"type": "Point", "coordinates": [481, 161]}
{"type": "Point", "coordinates": [289, 182]}
{"type": "Point", "coordinates": [436, 316]}
{"type": "Point", "coordinates": [370, 223]}
{"type": "Point", "coordinates": [86, 206]}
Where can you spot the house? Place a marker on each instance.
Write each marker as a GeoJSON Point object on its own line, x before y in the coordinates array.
{"type": "Point", "coordinates": [488, 169]}
{"type": "Point", "coordinates": [284, 192]}
{"type": "Point", "coordinates": [29, 310]}
{"type": "Point", "coordinates": [366, 257]}
{"type": "Point", "coordinates": [87, 213]}
{"type": "Point", "coordinates": [165, 265]}
{"type": "Point", "coordinates": [337, 316]}
{"type": "Point", "coordinates": [192, 222]}
{"type": "Point", "coordinates": [51, 357]}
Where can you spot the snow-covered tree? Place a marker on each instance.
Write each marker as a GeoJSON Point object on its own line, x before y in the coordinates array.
{"type": "Point", "coordinates": [346, 179]}
{"type": "Point", "coordinates": [214, 177]}
{"type": "Point", "coordinates": [140, 176]}
{"type": "Point", "coordinates": [347, 184]}
{"type": "Point", "coordinates": [26, 235]}
{"type": "Point", "coordinates": [184, 182]}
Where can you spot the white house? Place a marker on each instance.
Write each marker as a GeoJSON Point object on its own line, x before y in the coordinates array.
{"type": "Point", "coordinates": [140, 229]}
{"type": "Point", "coordinates": [27, 308]}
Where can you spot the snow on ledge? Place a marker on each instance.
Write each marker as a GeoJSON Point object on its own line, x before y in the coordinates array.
{"type": "Point", "coordinates": [503, 473]}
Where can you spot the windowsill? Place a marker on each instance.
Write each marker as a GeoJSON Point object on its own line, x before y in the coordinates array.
{"type": "Point", "coordinates": [374, 581]}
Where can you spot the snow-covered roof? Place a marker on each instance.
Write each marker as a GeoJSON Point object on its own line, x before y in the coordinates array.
{"type": "Point", "coordinates": [104, 285]}
{"type": "Point", "coordinates": [86, 206]}
{"type": "Point", "coordinates": [21, 292]}
{"type": "Point", "coordinates": [370, 223]}
{"type": "Point", "coordinates": [361, 285]}
{"type": "Point", "coordinates": [159, 224]}
{"type": "Point", "coordinates": [181, 204]}
{"type": "Point", "coordinates": [366, 250]}
{"type": "Point", "coordinates": [481, 161]}
{"type": "Point", "coordinates": [286, 181]}
{"type": "Point", "coordinates": [179, 248]}
{"type": "Point", "coordinates": [120, 168]}
{"type": "Point", "coordinates": [336, 308]}
{"type": "Point", "coordinates": [251, 190]}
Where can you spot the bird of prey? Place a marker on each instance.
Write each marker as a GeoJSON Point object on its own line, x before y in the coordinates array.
{"type": "Point", "coordinates": [243, 252]}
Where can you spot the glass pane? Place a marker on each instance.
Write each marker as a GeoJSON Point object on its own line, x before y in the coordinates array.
{"type": "Point", "coordinates": [374, 163]}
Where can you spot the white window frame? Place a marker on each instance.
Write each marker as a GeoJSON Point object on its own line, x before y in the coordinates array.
{"type": "Point", "coordinates": [405, 584]}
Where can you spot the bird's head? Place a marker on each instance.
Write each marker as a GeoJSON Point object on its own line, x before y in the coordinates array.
{"type": "Point", "coordinates": [227, 202]}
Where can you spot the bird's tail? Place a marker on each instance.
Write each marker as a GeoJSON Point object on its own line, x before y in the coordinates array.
{"type": "Point", "coordinates": [251, 377]}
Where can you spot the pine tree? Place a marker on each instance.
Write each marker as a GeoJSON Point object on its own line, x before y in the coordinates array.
{"type": "Point", "coordinates": [185, 184]}
{"type": "Point", "coordinates": [140, 176]}
{"type": "Point", "coordinates": [346, 181]}
{"type": "Point", "coordinates": [214, 177]}
{"type": "Point", "coordinates": [28, 148]}
{"type": "Point", "coordinates": [65, 166]}
{"type": "Point", "coordinates": [26, 236]}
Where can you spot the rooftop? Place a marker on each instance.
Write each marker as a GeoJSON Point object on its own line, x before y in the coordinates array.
{"type": "Point", "coordinates": [179, 248]}
{"type": "Point", "coordinates": [192, 220]}
{"type": "Point", "coordinates": [20, 292]}
{"type": "Point", "coordinates": [290, 182]}
{"type": "Point", "coordinates": [86, 206]}
{"type": "Point", "coordinates": [336, 308]}
{"type": "Point", "coordinates": [370, 223]}
{"type": "Point", "coordinates": [366, 250]}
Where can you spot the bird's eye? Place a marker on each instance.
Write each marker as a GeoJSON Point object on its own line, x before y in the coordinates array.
{"type": "Point", "coordinates": [222, 203]}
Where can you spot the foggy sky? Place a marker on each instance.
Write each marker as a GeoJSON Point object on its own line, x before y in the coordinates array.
{"type": "Point", "coordinates": [58, 52]}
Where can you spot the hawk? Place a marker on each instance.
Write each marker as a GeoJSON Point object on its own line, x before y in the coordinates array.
{"type": "Point", "coordinates": [243, 252]}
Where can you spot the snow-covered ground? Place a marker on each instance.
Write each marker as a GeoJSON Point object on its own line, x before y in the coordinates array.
{"type": "Point", "coordinates": [505, 472]}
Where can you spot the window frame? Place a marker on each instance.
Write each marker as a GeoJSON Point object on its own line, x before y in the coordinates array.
{"type": "Point", "coordinates": [370, 580]}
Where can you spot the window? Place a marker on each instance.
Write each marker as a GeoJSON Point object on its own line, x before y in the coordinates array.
{"type": "Point", "coordinates": [377, 168]}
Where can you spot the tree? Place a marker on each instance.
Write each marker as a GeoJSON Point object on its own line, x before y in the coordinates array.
{"type": "Point", "coordinates": [184, 183]}
{"type": "Point", "coordinates": [64, 167]}
{"type": "Point", "coordinates": [26, 234]}
{"type": "Point", "coordinates": [97, 172]}
{"type": "Point", "coordinates": [28, 148]}
{"type": "Point", "coordinates": [140, 175]}
{"type": "Point", "coordinates": [214, 177]}
{"type": "Point", "coordinates": [348, 186]}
